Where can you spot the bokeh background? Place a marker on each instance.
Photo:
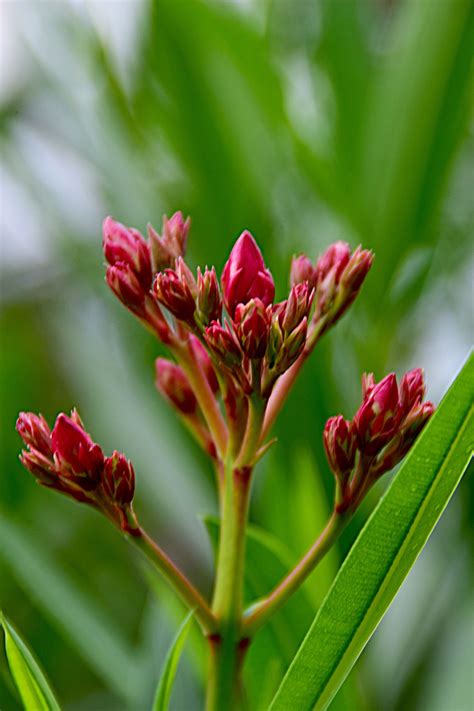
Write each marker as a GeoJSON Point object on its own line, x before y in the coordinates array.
{"type": "Point", "coordinates": [305, 121]}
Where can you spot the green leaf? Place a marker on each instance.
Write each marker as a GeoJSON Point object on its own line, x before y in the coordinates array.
{"type": "Point", "coordinates": [165, 684]}
{"type": "Point", "coordinates": [384, 552]}
{"type": "Point", "coordinates": [35, 691]}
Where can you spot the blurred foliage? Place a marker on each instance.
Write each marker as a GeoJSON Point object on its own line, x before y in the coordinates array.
{"type": "Point", "coordinates": [305, 122]}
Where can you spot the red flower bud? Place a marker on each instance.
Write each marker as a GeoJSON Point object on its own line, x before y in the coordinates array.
{"type": "Point", "coordinates": [118, 479]}
{"type": "Point", "coordinates": [223, 344]}
{"type": "Point", "coordinates": [165, 249]}
{"type": "Point", "coordinates": [77, 456]}
{"type": "Point", "coordinates": [340, 445]}
{"type": "Point", "coordinates": [302, 269]}
{"type": "Point", "coordinates": [125, 285]}
{"type": "Point", "coordinates": [297, 306]}
{"type": "Point", "coordinates": [209, 302]}
{"type": "Point", "coordinates": [172, 382]}
{"type": "Point", "coordinates": [334, 260]}
{"type": "Point", "coordinates": [412, 389]}
{"type": "Point", "coordinates": [252, 322]}
{"type": "Point", "coordinates": [245, 276]}
{"type": "Point", "coordinates": [35, 432]}
{"type": "Point", "coordinates": [378, 417]}
{"type": "Point", "coordinates": [204, 361]}
{"type": "Point", "coordinates": [127, 246]}
{"type": "Point", "coordinates": [172, 291]}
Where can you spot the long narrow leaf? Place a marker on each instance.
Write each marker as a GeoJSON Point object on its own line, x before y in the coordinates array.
{"type": "Point", "coordinates": [165, 684]}
{"type": "Point", "coordinates": [384, 552]}
{"type": "Point", "coordinates": [35, 691]}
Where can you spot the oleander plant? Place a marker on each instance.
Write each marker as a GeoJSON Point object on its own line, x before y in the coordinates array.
{"type": "Point", "coordinates": [234, 355]}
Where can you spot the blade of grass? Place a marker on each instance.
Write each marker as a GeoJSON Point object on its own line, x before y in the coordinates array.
{"type": "Point", "coordinates": [165, 683]}
{"type": "Point", "coordinates": [35, 691]}
{"type": "Point", "coordinates": [384, 552]}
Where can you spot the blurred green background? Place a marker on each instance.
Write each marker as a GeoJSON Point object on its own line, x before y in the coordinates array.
{"type": "Point", "coordinates": [304, 121]}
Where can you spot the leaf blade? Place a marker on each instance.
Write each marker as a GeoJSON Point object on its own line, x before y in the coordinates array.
{"type": "Point", "coordinates": [170, 666]}
{"type": "Point", "coordinates": [372, 573]}
{"type": "Point", "coordinates": [35, 691]}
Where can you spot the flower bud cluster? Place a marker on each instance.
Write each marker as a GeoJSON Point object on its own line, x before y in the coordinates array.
{"type": "Point", "coordinates": [336, 278]}
{"type": "Point", "coordinates": [68, 460]}
{"type": "Point", "coordinates": [247, 339]}
{"type": "Point", "coordinates": [381, 433]}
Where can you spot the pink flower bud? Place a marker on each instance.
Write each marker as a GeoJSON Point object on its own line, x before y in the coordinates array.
{"type": "Point", "coordinates": [35, 432]}
{"type": "Point", "coordinates": [412, 389]}
{"type": "Point", "coordinates": [127, 246]}
{"type": "Point", "coordinates": [118, 479]}
{"type": "Point", "coordinates": [204, 361]}
{"type": "Point", "coordinates": [223, 344]}
{"type": "Point", "coordinates": [172, 291]}
{"type": "Point", "coordinates": [125, 285]}
{"type": "Point", "coordinates": [401, 444]}
{"type": "Point", "coordinates": [378, 417]}
{"type": "Point", "coordinates": [297, 306]}
{"type": "Point", "coordinates": [245, 276]}
{"type": "Point", "coordinates": [252, 322]}
{"type": "Point", "coordinates": [41, 466]}
{"type": "Point", "coordinates": [77, 456]}
{"type": "Point", "coordinates": [167, 248]}
{"type": "Point", "coordinates": [209, 302]}
{"type": "Point", "coordinates": [356, 270]}
{"type": "Point", "coordinates": [340, 445]}
{"type": "Point", "coordinates": [333, 261]}
{"type": "Point", "coordinates": [302, 269]}
{"type": "Point", "coordinates": [172, 382]}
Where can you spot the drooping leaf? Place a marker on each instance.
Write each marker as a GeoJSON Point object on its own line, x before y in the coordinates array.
{"type": "Point", "coordinates": [384, 552]}
{"type": "Point", "coordinates": [168, 673]}
{"type": "Point", "coordinates": [35, 692]}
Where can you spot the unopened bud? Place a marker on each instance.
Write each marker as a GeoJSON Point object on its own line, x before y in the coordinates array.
{"type": "Point", "coordinates": [245, 275]}
{"type": "Point", "coordinates": [172, 382]}
{"type": "Point", "coordinates": [173, 292]}
{"type": "Point", "coordinates": [302, 270]}
{"type": "Point", "coordinates": [297, 307]}
{"type": "Point", "coordinates": [378, 417]}
{"type": "Point", "coordinates": [118, 479]}
{"type": "Point", "coordinates": [77, 456]}
{"type": "Point", "coordinates": [125, 285]}
{"type": "Point", "coordinates": [223, 344]}
{"type": "Point", "coordinates": [368, 382]}
{"type": "Point", "coordinates": [127, 246]}
{"type": "Point", "coordinates": [252, 322]}
{"type": "Point", "coordinates": [412, 389]}
{"type": "Point", "coordinates": [166, 248]}
{"type": "Point", "coordinates": [35, 432]}
{"type": "Point", "coordinates": [340, 445]}
{"type": "Point", "coordinates": [209, 302]}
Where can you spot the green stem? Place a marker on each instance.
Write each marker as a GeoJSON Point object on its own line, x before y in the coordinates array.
{"type": "Point", "coordinates": [185, 589]}
{"type": "Point", "coordinates": [253, 432]}
{"type": "Point", "coordinates": [225, 657]}
{"type": "Point", "coordinates": [206, 399]}
{"type": "Point", "coordinates": [258, 614]}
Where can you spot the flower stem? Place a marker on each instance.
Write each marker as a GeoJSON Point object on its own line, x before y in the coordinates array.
{"type": "Point", "coordinates": [206, 399]}
{"type": "Point", "coordinates": [225, 657]}
{"type": "Point", "coordinates": [258, 614]}
{"type": "Point", "coordinates": [185, 589]}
